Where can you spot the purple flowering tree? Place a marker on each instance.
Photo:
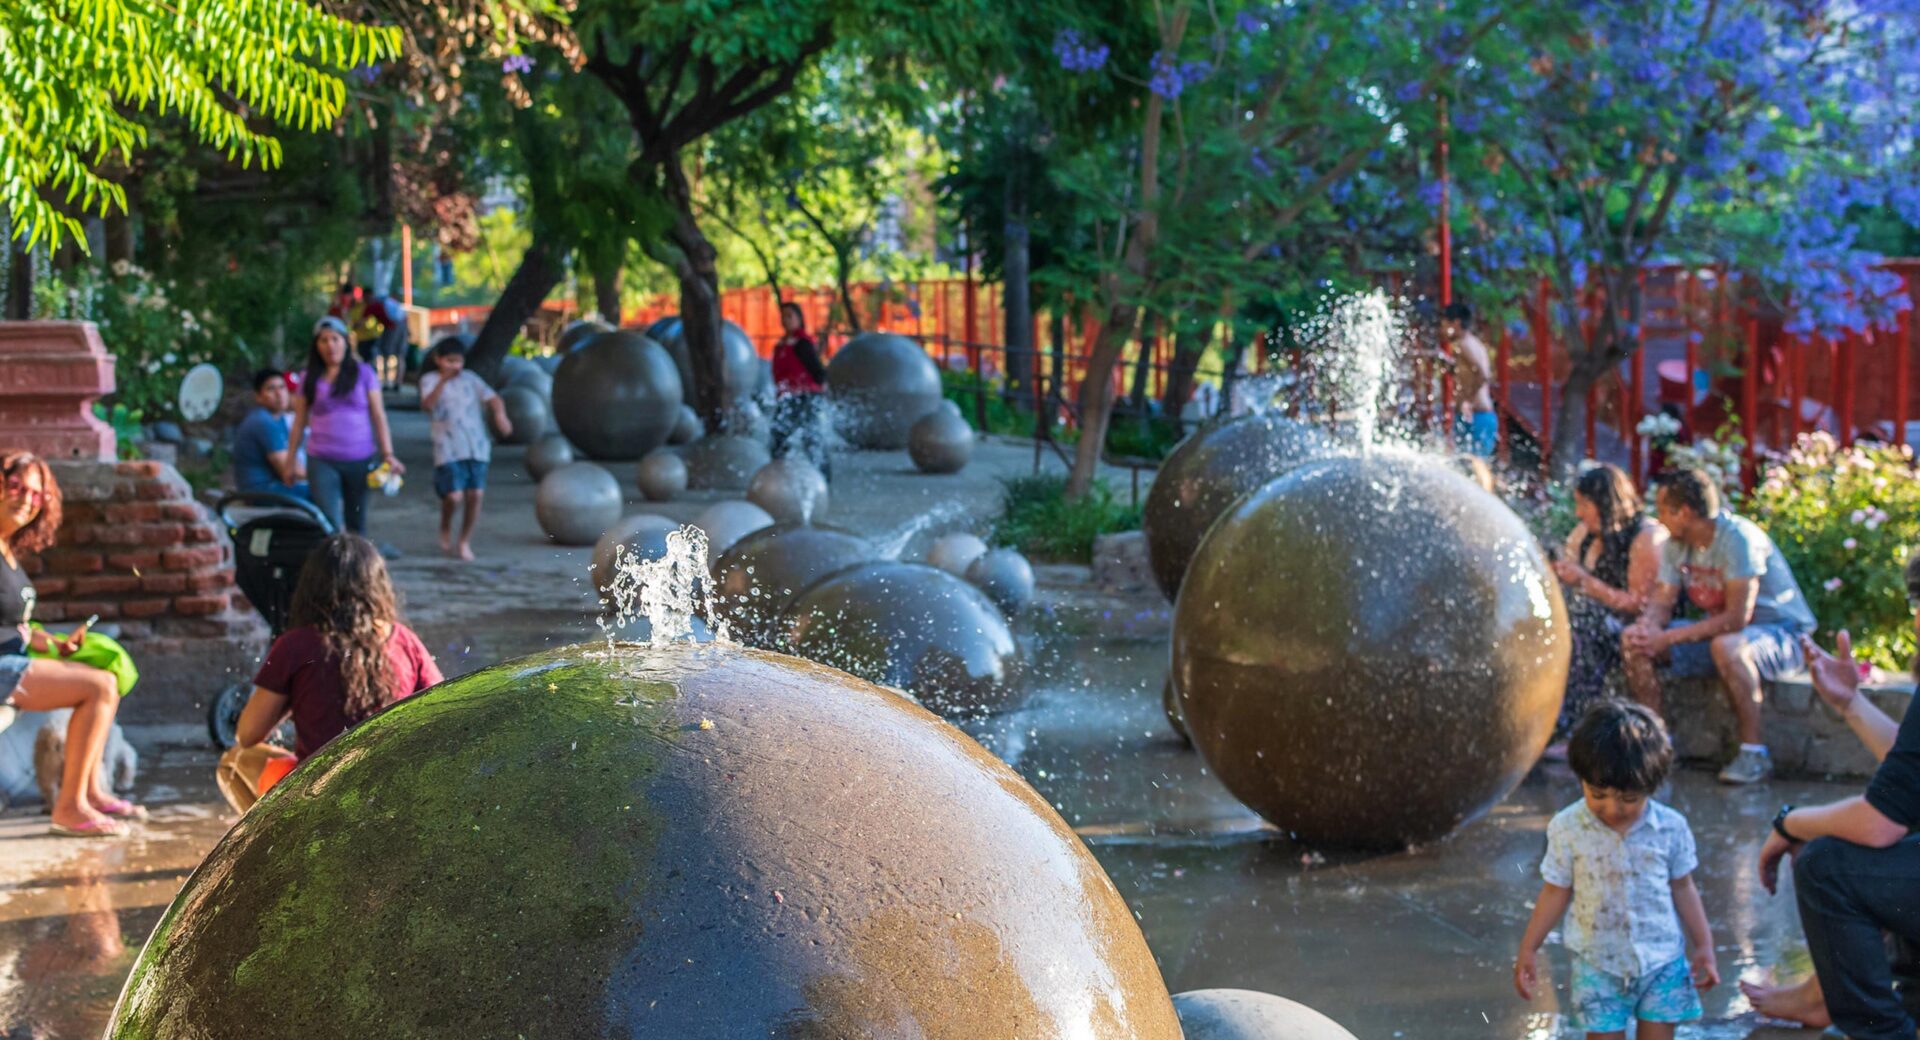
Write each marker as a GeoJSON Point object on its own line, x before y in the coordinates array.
{"type": "Point", "coordinates": [1751, 133]}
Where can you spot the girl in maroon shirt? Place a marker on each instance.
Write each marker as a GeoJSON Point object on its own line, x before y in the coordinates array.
{"type": "Point", "coordinates": [346, 656]}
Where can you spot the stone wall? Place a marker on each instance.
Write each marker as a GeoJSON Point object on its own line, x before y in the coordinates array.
{"type": "Point", "coordinates": [136, 549]}
{"type": "Point", "coordinates": [1806, 737]}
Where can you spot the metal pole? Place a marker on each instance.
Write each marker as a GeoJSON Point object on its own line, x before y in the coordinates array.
{"type": "Point", "coordinates": [406, 264]}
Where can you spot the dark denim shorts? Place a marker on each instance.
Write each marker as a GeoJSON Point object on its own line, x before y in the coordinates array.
{"type": "Point", "coordinates": [1776, 652]}
{"type": "Point", "coordinates": [460, 475]}
{"type": "Point", "coordinates": [12, 668]}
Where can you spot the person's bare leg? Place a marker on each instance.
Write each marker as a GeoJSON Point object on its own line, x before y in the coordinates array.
{"type": "Point", "coordinates": [1734, 660]}
{"type": "Point", "coordinates": [1803, 1002]}
{"type": "Point", "coordinates": [90, 692]}
{"type": "Point", "coordinates": [467, 523]}
{"type": "Point", "coordinates": [1653, 1030]}
{"type": "Point", "coordinates": [447, 503]}
{"type": "Point", "coordinates": [1642, 682]}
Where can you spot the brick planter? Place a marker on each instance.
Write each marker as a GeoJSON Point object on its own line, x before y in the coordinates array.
{"type": "Point", "coordinates": [136, 549]}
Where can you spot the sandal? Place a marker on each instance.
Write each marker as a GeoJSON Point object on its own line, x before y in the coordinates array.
{"type": "Point", "coordinates": [104, 828]}
{"type": "Point", "coordinates": [121, 809]}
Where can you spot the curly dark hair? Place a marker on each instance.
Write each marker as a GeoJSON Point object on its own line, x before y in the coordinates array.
{"type": "Point", "coordinates": [344, 593]}
{"type": "Point", "coordinates": [1692, 488]}
{"type": "Point", "coordinates": [1621, 746]}
{"type": "Point", "coordinates": [39, 532]}
{"type": "Point", "coordinates": [1611, 491]}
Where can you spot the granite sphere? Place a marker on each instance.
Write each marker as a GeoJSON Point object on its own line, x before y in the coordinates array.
{"type": "Point", "coordinates": [578, 332]}
{"type": "Point", "coordinates": [576, 503]}
{"type": "Point", "coordinates": [954, 553]}
{"type": "Point", "coordinates": [739, 362]}
{"type": "Point", "coordinates": [881, 385]}
{"type": "Point", "coordinates": [548, 454]}
{"type": "Point", "coordinates": [687, 428]}
{"type": "Point", "coordinates": [1208, 472]}
{"type": "Point", "coordinates": [1006, 577]}
{"type": "Point", "coordinates": [527, 411]}
{"type": "Point", "coordinates": [534, 378]}
{"type": "Point", "coordinates": [662, 475]}
{"type": "Point", "coordinates": [510, 366]}
{"type": "Point", "coordinates": [728, 522]}
{"type": "Point", "coordinates": [1243, 1014]}
{"type": "Point", "coordinates": [1370, 651]}
{"type": "Point", "coordinates": [790, 489]}
{"type": "Point", "coordinates": [913, 627]}
{"type": "Point", "coordinates": [940, 442]}
{"type": "Point", "coordinates": [673, 843]}
{"type": "Point", "coordinates": [616, 396]}
{"type": "Point", "coordinates": [723, 462]}
{"type": "Point", "coordinates": [758, 577]}
{"type": "Point", "coordinates": [643, 534]}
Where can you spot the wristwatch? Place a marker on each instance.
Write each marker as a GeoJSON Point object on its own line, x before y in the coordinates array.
{"type": "Point", "coordinates": [1780, 824]}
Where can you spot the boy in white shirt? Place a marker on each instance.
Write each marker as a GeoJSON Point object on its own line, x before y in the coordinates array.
{"type": "Point", "coordinates": [454, 398]}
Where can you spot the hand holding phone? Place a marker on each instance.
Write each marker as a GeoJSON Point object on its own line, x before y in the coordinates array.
{"type": "Point", "coordinates": [71, 645]}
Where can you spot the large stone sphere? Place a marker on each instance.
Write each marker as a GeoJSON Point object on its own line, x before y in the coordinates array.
{"type": "Point", "coordinates": [643, 534]}
{"type": "Point", "coordinates": [913, 627]}
{"type": "Point", "coordinates": [528, 413]}
{"type": "Point", "coordinates": [723, 462]}
{"type": "Point", "coordinates": [510, 366]}
{"type": "Point", "coordinates": [790, 489]}
{"type": "Point", "coordinates": [577, 502]}
{"type": "Point", "coordinates": [954, 553]}
{"type": "Point", "coordinates": [687, 428]}
{"type": "Point", "coordinates": [1006, 577]}
{"type": "Point", "coordinates": [882, 384]}
{"type": "Point", "coordinates": [1243, 1014]}
{"type": "Point", "coordinates": [578, 332]}
{"type": "Point", "coordinates": [616, 396]}
{"type": "Point", "coordinates": [1370, 651]}
{"type": "Point", "coordinates": [674, 843]}
{"type": "Point", "coordinates": [758, 577]}
{"type": "Point", "coordinates": [728, 522]}
{"type": "Point", "coordinates": [662, 475]}
{"type": "Point", "coordinates": [663, 329]}
{"type": "Point", "coordinates": [739, 362]}
{"type": "Point", "coordinates": [1208, 472]}
{"type": "Point", "coordinates": [534, 378]}
{"type": "Point", "coordinates": [547, 454]}
{"type": "Point", "coordinates": [940, 442]}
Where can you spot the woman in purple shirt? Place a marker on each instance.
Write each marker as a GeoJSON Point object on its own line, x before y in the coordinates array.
{"type": "Point", "coordinates": [340, 402]}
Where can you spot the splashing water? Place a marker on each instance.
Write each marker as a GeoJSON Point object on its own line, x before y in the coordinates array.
{"type": "Point", "coordinates": [1365, 339]}
{"type": "Point", "coordinates": [670, 593]}
{"type": "Point", "coordinates": [895, 542]}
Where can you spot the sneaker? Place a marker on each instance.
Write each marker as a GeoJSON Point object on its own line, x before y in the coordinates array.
{"type": "Point", "coordinates": [1748, 767]}
{"type": "Point", "coordinates": [7, 714]}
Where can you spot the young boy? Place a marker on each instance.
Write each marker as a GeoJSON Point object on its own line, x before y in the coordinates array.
{"type": "Point", "coordinates": [1624, 862]}
{"type": "Point", "coordinates": [453, 397]}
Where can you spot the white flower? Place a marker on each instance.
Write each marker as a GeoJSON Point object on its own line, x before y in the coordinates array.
{"type": "Point", "coordinates": [1879, 483]}
{"type": "Point", "coordinates": [168, 358]}
{"type": "Point", "coordinates": [1859, 516]}
{"type": "Point", "coordinates": [1873, 523]}
{"type": "Point", "coordinates": [1850, 544]}
{"type": "Point", "coordinates": [120, 268]}
{"type": "Point", "coordinates": [1833, 584]}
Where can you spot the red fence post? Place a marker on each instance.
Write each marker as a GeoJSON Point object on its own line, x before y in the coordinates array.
{"type": "Point", "coordinates": [1503, 359]}
{"type": "Point", "coordinates": [1543, 368]}
{"type": "Point", "coordinates": [1843, 387]}
{"type": "Point", "coordinates": [1902, 351]}
{"type": "Point", "coordinates": [1750, 399]}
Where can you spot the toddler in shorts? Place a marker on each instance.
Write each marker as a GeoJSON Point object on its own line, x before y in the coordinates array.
{"type": "Point", "coordinates": [1624, 864]}
{"type": "Point", "coordinates": [455, 399]}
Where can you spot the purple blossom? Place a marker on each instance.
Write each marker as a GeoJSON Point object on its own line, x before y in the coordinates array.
{"type": "Point", "coordinates": [1169, 78]}
{"type": "Point", "coordinates": [517, 64]}
{"type": "Point", "coordinates": [1078, 55]}
{"type": "Point", "coordinates": [1248, 22]}
{"type": "Point", "coordinates": [1260, 164]}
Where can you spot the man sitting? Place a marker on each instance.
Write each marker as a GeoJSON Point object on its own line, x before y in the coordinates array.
{"type": "Point", "coordinates": [262, 458]}
{"type": "Point", "coordinates": [1754, 612]}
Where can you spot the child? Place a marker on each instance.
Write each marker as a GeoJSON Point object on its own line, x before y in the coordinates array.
{"type": "Point", "coordinates": [453, 397]}
{"type": "Point", "coordinates": [1625, 864]}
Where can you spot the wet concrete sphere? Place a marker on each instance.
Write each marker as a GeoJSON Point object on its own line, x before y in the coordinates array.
{"type": "Point", "coordinates": [1006, 577]}
{"type": "Point", "coordinates": [790, 489]}
{"type": "Point", "coordinates": [662, 475]}
{"type": "Point", "coordinates": [687, 428]}
{"type": "Point", "coordinates": [548, 454]}
{"type": "Point", "coordinates": [578, 332]}
{"type": "Point", "coordinates": [616, 396]}
{"type": "Point", "coordinates": [534, 378]}
{"type": "Point", "coordinates": [954, 553]}
{"type": "Point", "coordinates": [645, 538]}
{"type": "Point", "coordinates": [528, 412]}
{"type": "Point", "coordinates": [510, 366]}
{"type": "Point", "coordinates": [913, 627]}
{"type": "Point", "coordinates": [882, 384]}
{"type": "Point", "coordinates": [940, 442]}
{"type": "Point", "coordinates": [675, 843]}
{"type": "Point", "coordinates": [728, 522]}
{"type": "Point", "coordinates": [576, 503]}
{"type": "Point", "coordinates": [1370, 651]}
{"type": "Point", "coordinates": [723, 462]}
{"type": "Point", "coordinates": [759, 576]}
{"type": "Point", "coordinates": [1176, 718]}
{"type": "Point", "coordinates": [1208, 472]}
{"type": "Point", "coordinates": [1243, 1014]}
{"type": "Point", "coordinates": [739, 362]}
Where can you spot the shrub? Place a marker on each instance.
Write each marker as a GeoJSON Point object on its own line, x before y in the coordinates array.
{"type": "Point", "coordinates": [963, 387]}
{"type": "Point", "coordinates": [1042, 522]}
{"type": "Point", "coordinates": [153, 339]}
{"type": "Point", "coordinates": [1845, 520]}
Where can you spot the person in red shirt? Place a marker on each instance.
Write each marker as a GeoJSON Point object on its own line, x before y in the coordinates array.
{"type": "Point", "coordinates": [798, 378]}
{"type": "Point", "coordinates": [346, 655]}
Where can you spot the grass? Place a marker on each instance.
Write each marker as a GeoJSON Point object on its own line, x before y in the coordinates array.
{"type": "Point", "coordinates": [1041, 522]}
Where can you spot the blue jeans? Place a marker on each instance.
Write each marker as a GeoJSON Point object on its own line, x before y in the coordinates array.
{"type": "Point", "coordinates": [1848, 895]}
{"type": "Point", "coordinates": [340, 490]}
{"type": "Point", "coordinates": [1776, 652]}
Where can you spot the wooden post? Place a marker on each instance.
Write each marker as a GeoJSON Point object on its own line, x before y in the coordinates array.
{"type": "Point", "coordinates": [406, 264]}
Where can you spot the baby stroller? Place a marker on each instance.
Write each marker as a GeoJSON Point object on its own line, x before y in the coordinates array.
{"type": "Point", "coordinates": [272, 535]}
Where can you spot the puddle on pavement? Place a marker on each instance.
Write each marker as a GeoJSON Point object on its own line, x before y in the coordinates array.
{"type": "Point", "coordinates": [1417, 944]}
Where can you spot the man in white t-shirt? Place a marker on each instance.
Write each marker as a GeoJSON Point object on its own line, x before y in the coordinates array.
{"type": "Point", "coordinates": [1754, 612]}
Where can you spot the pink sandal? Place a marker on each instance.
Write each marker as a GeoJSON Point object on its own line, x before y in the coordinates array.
{"type": "Point", "coordinates": [120, 808]}
{"type": "Point", "coordinates": [90, 829]}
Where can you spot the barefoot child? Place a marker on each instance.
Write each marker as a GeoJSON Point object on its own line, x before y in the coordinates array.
{"type": "Point", "coordinates": [453, 397]}
{"type": "Point", "coordinates": [1624, 863]}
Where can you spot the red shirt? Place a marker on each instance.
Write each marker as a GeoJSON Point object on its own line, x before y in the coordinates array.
{"type": "Point", "coordinates": [300, 668]}
{"type": "Point", "coordinates": [796, 365]}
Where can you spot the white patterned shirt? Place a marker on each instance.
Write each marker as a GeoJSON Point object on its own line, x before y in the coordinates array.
{"type": "Point", "coordinates": [459, 419]}
{"type": "Point", "coordinates": [1622, 920]}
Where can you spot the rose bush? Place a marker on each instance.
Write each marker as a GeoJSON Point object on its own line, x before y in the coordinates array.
{"type": "Point", "coordinates": [154, 339]}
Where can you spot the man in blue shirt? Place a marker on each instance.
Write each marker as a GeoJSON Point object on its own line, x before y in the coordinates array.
{"type": "Point", "coordinates": [262, 458]}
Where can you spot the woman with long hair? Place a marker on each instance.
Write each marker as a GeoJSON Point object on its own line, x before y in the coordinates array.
{"type": "Point", "coordinates": [339, 401]}
{"type": "Point", "coordinates": [799, 378]}
{"type": "Point", "coordinates": [345, 655]}
{"type": "Point", "coordinates": [29, 518]}
{"type": "Point", "coordinates": [1610, 563]}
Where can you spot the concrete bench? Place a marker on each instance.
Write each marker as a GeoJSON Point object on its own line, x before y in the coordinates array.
{"type": "Point", "coordinates": [1807, 738]}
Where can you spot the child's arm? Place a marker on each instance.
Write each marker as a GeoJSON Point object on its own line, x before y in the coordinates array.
{"type": "Point", "coordinates": [1693, 921]}
{"type": "Point", "coordinates": [1548, 908]}
{"type": "Point", "coordinates": [500, 421]}
{"type": "Point", "coordinates": [432, 396]}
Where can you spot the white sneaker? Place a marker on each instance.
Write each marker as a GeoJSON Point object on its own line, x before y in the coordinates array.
{"type": "Point", "coordinates": [1750, 766]}
{"type": "Point", "coordinates": [7, 714]}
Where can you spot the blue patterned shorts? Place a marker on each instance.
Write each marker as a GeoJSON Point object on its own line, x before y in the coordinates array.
{"type": "Point", "coordinates": [1604, 1003]}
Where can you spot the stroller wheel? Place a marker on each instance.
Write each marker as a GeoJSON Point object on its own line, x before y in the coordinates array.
{"type": "Point", "coordinates": [223, 718]}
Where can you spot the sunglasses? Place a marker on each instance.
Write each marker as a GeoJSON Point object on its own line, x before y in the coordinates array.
{"type": "Point", "coordinates": [18, 486]}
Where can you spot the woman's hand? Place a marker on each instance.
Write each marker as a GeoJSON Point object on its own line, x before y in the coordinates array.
{"type": "Point", "coordinates": [1836, 677]}
{"type": "Point", "coordinates": [70, 645]}
{"type": "Point", "coordinates": [1569, 571]}
{"type": "Point", "coordinates": [394, 463]}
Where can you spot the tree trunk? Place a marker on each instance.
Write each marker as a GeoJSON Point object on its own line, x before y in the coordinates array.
{"type": "Point", "coordinates": [1236, 356]}
{"type": "Point", "coordinates": [694, 264]}
{"type": "Point", "coordinates": [1057, 348]}
{"type": "Point", "coordinates": [1096, 399]}
{"type": "Point", "coordinates": [606, 289]}
{"type": "Point", "coordinates": [541, 268]}
{"type": "Point", "coordinates": [19, 281]}
{"type": "Point", "coordinates": [120, 236]}
{"type": "Point", "coordinates": [1017, 290]}
{"type": "Point", "coordinates": [1189, 342]}
{"type": "Point", "coordinates": [1143, 367]}
{"type": "Point", "coordinates": [843, 278]}
{"type": "Point", "coordinates": [1570, 416]}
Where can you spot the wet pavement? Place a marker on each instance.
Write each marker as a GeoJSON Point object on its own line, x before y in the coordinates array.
{"type": "Point", "coordinates": [1416, 944]}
